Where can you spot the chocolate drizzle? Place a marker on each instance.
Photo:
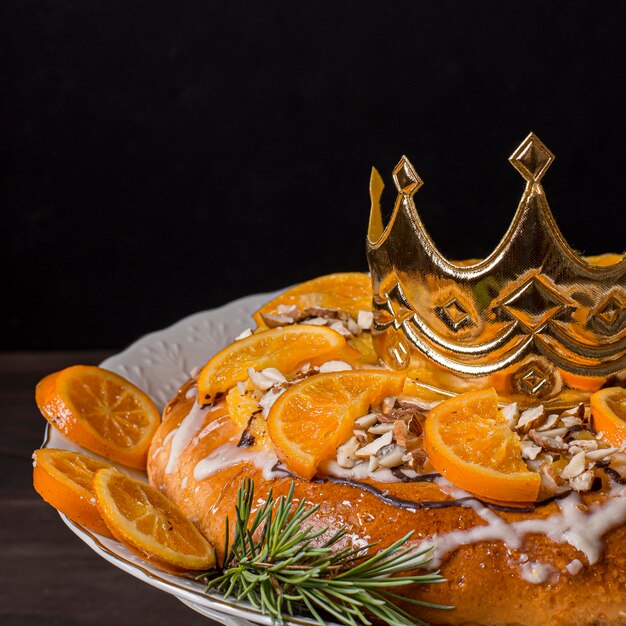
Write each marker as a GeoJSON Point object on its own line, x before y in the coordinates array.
{"type": "Point", "coordinates": [413, 505]}
{"type": "Point", "coordinates": [615, 475]}
{"type": "Point", "coordinates": [420, 478]}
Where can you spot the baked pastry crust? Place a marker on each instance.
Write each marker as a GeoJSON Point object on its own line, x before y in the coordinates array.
{"type": "Point", "coordinates": [483, 579]}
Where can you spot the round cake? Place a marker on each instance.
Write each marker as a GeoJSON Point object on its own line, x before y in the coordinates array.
{"type": "Point", "coordinates": [559, 559]}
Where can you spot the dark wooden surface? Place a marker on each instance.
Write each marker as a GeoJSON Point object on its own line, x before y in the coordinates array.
{"type": "Point", "coordinates": [47, 575]}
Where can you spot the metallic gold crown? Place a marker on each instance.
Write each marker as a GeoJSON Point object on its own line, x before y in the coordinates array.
{"type": "Point", "coordinates": [535, 319]}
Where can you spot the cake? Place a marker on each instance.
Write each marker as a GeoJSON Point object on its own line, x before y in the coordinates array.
{"type": "Point", "coordinates": [524, 351]}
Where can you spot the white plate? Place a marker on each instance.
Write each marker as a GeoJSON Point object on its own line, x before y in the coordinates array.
{"type": "Point", "coordinates": [159, 363]}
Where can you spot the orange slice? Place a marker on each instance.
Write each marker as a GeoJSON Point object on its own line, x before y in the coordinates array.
{"type": "Point", "coordinates": [142, 518]}
{"type": "Point", "coordinates": [65, 480]}
{"type": "Point", "coordinates": [282, 348]}
{"type": "Point", "coordinates": [469, 442]}
{"type": "Point", "coordinates": [101, 411]}
{"type": "Point", "coordinates": [350, 292]}
{"type": "Point", "coordinates": [314, 416]}
{"type": "Point", "coordinates": [581, 383]}
{"type": "Point", "coordinates": [608, 414]}
{"type": "Point", "coordinates": [345, 291]}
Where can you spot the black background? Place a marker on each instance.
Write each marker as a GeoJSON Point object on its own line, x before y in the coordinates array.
{"type": "Point", "coordinates": [159, 158]}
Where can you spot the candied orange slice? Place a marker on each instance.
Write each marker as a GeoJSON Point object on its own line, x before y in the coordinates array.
{"type": "Point", "coordinates": [64, 479]}
{"type": "Point", "coordinates": [349, 292]}
{"type": "Point", "coordinates": [344, 291]}
{"type": "Point", "coordinates": [282, 348]}
{"type": "Point", "coordinates": [581, 383]}
{"type": "Point", "coordinates": [469, 442]}
{"type": "Point", "coordinates": [314, 416]}
{"type": "Point", "coordinates": [144, 519]}
{"type": "Point", "coordinates": [608, 414]}
{"type": "Point", "coordinates": [101, 411]}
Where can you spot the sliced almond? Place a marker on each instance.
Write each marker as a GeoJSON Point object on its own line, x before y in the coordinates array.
{"type": "Point", "coordinates": [547, 443]}
{"type": "Point", "coordinates": [582, 482]}
{"type": "Point", "coordinates": [530, 450]}
{"type": "Point", "coordinates": [550, 480]}
{"type": "Point", "coordinates": [373, 447]}
{"type": "Point", "coordinates": [365, 319]}
{"type": "Point", "coordinates": [415, 426]}
{"type": "Point", "coordinates": [387, 404]}
{"type": "Point", "coordinates": [510, 413]}
{"type": "Point", "coordinates": [318, 311]}
{"type": "Point", "coordinates": [530, 418]}
{"type": "Point", "coordinates": [415, 459]}
{"type": "Point", "coordinates": [267, 401]}
{"type": "Point", "coordinates": [601, 453]}
{"type": "Point", "coordinates": [381, 429]}
{"type": "Point", "coordinates": [315, 321]}
{"type": "Point", "coordinates": [334, 366]}
{"type": "Point", "coordinates": [575, 467]}
{"type": "Point", "coordinates": [587, 445]}
{"type": "Point", "coordinates": [402, 434]}
{"type": "Point", "coordinates": [352, 326]}
{"type": "Point", "coordinates": [291, 310]}
{"type": "Point", "coordinates": [365, 421]}
{"type": "Point", "coordinates": [390, 455]}
{"type": "Point", "coordinates": [362, 437]}
{"type": "Point", "coordinates": [340, 328]}
{"type": "Point", "coordinates": [346, 453]}
{"type": "Point", "coordinates": [243, 334]}
{"type": "Point", "coordinates": [550, 421]}
{"type": "Point", "coordinates": [274, 320]}
{"type": "Point", "coordinates": [554, 432]}
{"type": "Point", "coordinates": [413, 402]}
{"type": "Point", "coordinates": [266, 378]}
{"type": "Point", "coordinates": [571, 420]}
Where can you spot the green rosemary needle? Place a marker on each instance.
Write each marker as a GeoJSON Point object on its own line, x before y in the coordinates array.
{"type": "Point", "coordinates": [275, 564]}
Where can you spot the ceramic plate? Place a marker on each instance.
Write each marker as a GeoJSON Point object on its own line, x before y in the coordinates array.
{"type": "Point", "coordinates": [159, 363]}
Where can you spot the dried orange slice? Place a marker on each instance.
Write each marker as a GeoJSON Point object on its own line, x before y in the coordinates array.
{"type": "Point", "coordinates": [608, 414]}
{"type": "Point", "coordinates": [314, 416]}
{"type": "Point", "coordinates": [349, 292]}
{"type": "Point", "coordinates": [141, 517]}
{"type": "Point", "coordinates": [101, 411]}
{"type": "Point", "coordinates": [282, 348]}
{"type": "Point", "coordinates": [469, 442]}
{"type": "Point", "coordinates": [64, 479]}
{"type": "Point", "coordinates": [345, 291]}
{"type": "Point", "coordinates": [581, 383]}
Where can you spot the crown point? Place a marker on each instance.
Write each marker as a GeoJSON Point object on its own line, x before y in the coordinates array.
{"type": "Point", "coordinates": [532, 158]}
{"type": "Point", "coordinates": [375, 229]}
{"type": "Point", "coordinates": [406, 178]}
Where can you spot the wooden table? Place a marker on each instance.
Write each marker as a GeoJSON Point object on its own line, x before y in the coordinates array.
{"type": "Point", "coordinates": [47, 575]}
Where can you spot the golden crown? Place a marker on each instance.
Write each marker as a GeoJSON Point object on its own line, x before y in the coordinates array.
{"type": "Point", "coordinates": [535, 319]}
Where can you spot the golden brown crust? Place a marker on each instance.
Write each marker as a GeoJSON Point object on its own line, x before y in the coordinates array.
{"type": "Point", "coordinates": [483, 580]}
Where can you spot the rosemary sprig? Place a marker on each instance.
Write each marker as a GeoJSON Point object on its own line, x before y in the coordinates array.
{"type": "Point", "coordinates": [274, 564]}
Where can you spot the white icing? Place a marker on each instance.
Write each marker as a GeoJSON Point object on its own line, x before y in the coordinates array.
{"type": "Point", "coordinates": [582, 530]}
{"type": "Point", "coordinates": [362, 471]}
{"type": "Point", "coordinates": [165, 442]}
{"type": "Point", "coordinates": [229, 454]}
{"type": "Point", "coordinates": [535, 572]}
{"type": "Point", "coordinates": [573, 567]}
{"type": "Point", "coordinates": [186, 431]}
